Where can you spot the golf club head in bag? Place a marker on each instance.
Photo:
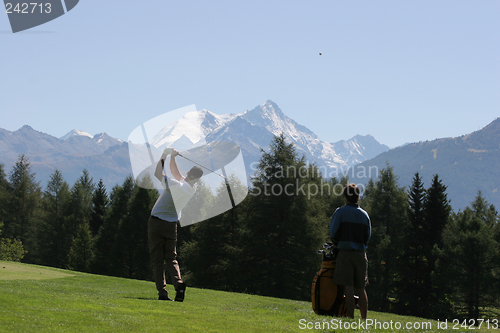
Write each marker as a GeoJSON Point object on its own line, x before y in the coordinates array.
{"type": "Point", "coordinates": [224, 181]}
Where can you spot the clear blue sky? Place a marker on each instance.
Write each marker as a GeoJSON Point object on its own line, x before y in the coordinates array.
{"type": "Point", "coordinates": [402, 71]}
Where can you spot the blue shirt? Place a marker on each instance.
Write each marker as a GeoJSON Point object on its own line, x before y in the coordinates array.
{"type": "Point", "coordinates": [351, 226]}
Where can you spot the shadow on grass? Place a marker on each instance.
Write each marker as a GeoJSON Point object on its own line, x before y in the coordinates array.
{"type": "Point", "coordinates": [142, 298]}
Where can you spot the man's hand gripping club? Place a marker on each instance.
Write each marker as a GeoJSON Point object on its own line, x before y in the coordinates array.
{"type": "Point", "coordinates": [173, 165]}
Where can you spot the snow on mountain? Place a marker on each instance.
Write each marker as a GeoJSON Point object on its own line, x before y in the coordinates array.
{"type": "Point", "coordinates": [75, 132]}
{"type": "Point", "coordinates": [463, 162]}
{"type": "Point", "coordinates": [105, 140]}
{"type": "Point", "coordinates": [193, 126]}
{"type": "Point", "coordinates": [270, 117]}
{"type": "Point", "coordinates": [267, 120]}
{"type": "Point", "coordinates": [79, 150]}
{"type": "Point", "coordinates": [358, 149]}
{"type": "Point", "coordinates": [254, 129]}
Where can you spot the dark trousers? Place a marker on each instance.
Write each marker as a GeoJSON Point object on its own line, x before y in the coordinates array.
{"type": "Point", "coordinates": [162, 239]}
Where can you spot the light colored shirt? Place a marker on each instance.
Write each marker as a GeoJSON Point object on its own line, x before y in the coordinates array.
{"type": "Point", "coordinates": [172, 200]}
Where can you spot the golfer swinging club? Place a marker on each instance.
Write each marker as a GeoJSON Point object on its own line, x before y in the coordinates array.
{"type": "Point", "coordinates": [162, 225]}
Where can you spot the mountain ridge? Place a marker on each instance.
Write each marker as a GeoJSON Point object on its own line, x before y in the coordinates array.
{"type": "Point", "coordinates": [274, 120]}
{"type": "Point", "coordinates": [71, 155]}
{"type": "Point", "coordinates": [253, 130]}
{"type": "Point", "coordinates": [466, 164]}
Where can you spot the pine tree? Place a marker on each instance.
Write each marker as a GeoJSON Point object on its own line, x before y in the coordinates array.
{"type": "Point", "coordinates": [282, 234]}
{"type": "Point", "coordinates": [104, 242]}
{"type": "Point", "coordinates": [52, 237]}
{"type": "Point", "coordinates": [437, 210]}
{"type": "Point", "coordinates": [212, 259]}
{"type": "Point", "coordinates": [5, 193]}
{"type": "Point", "coordinates": [81, 200]}
{"type": "Point", "coordinates": [412, 289]}
{"type": "Point", "coordinates": [100, 203]}
{"type": "Point", "coordinates": [130, 251]}
{"type": "Point", "coordinates": [202, 202]}
{"type": "Point", "coordinates": [335, 201]}
{"type": "Point", "coordinates": [496, 271]}
{"type": "Point", "coordinates": [81, 252]}
{"type": "Point", "coordinates": [23, 206]}
{"type": "Point", "coordinates": [387, 204]}
{"type": "Point", "coordinates": [484, 210]}
{"type": "Point", "coordinates": [79, 210]}
{"type": "Point", "coordinates": [468, 259]}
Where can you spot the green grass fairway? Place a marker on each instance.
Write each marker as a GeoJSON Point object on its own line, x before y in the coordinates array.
{"type": "Point", "coordinates": [41, 299]}
{"type": "Point", "coordinates": [15, 271]}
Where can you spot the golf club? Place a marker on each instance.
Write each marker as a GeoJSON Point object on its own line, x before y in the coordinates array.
{"type": "Point", "coordinates": [218, 174]}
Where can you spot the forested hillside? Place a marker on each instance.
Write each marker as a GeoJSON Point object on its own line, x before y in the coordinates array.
{"type": "Point", "coordinates": [424, 258]}
{"type": "Point", "coordinates": [467, 164]}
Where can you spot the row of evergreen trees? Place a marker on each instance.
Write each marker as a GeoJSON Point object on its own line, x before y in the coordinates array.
{"type": "Point", "coordinates": [424, 259]}
{"type": "Point", "coordinates": [80, 227]}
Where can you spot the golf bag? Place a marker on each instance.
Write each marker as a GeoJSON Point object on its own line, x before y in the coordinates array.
{"type": "Point", "coordinates": [327, 297]}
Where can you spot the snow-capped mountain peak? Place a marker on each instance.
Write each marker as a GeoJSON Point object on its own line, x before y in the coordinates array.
{"type": "Point", "coordinates": [270, 116]}
{"type": "Point", "coordinates": [75, 132]}
{"type": "Point", "coordinates": [193, 126]}
{"type": "Point", "coordinates": [251, 130]}
{"type": "Point", "coordinates": [254, 130]}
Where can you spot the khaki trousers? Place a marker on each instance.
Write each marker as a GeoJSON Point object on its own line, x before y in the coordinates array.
{"type": "Point", "coordinates": [162, 239]}
{"type": "Point", "coordinates": [351, 269]}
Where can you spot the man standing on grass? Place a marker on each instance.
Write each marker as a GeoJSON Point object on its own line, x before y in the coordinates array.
{"type": "Point", "coordinates": [350, 229]}
{"type": "Point", "coordinates": [162, 225]}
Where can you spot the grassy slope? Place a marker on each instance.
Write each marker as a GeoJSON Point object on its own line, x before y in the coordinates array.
{"type": "Point", "coordinates": [35, 298]}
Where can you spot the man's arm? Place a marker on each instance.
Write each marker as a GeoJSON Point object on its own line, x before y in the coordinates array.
{"type": "Point", "coordinates": [159, 169]}
{"type": "Point", "coordinates": [173, 166]}
{"type": "Point", "coordinates": [334, 224]}
{"type": "Point", "coordinates": [368, 231]}
{"type": "Point", "coordinates": [161, 163]}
